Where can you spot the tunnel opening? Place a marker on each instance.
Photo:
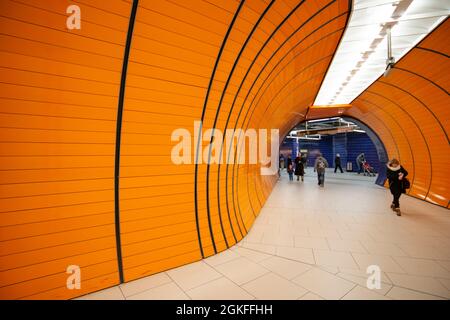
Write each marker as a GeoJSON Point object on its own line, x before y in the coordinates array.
{"type": "Point", "coordinates": [343, 137]}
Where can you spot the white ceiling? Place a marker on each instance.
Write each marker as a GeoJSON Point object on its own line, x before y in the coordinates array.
{"type": "Point", "coordinates": [361, 56]}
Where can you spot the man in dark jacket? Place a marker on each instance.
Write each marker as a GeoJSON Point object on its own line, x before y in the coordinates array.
{"type": "Point", "coordinates": [299, 169]}
{"type": "Point", "coordinates": [337, 163]}
{"type": "Point", "coordinates": [396, 175]}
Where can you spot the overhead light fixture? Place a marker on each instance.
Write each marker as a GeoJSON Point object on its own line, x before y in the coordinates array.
{"type": "Point", "coordinates": [374, 25]}
{"type": "Point", "coordinates": [318, 120]}
{"type": "Point", "coordinates": [390, 59]}
{"type": "Point", "coordinates": [311, 137]}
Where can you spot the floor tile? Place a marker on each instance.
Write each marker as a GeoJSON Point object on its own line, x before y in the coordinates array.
{"type": "Point", "coordinates": [297, 254]}
{"type": "Point", "coordinates": [285, 268]}
{"type": "Point", "coordinates": [346, 245]}
{"type": "Point", "coordinates": [113, 293]}
{"type": "Point", "coordinates": [324, 284]}
{"type": "Point", "coordinates": [221, 257]}
{"type": "Point", "coordinates": [241, 270]}
{"type": "Point", "coordinates": [250, 254]}
{"type": "Point", "coordinates": [219, 289]}
{"type": "Point", "coordinates": [264, 248]}
{"type": "Point", "coordinates": [361, 293]}
{"type": "Point", "coordinates": [311, 242]}
{"type": "Point", "coordinates": [143, 284]}
{"type": "Point", "coordinates": [169, 291]}
{"type": "Point", "coordinates": [405, 294]}
{"type": "Point", "coordinates": [273, 287]}
{"type": "Point", "coordinates": [422, 284]}
{"type": "Point", "coordinates": [334, 259]}
{"type": "Point", "coordinates": [422, 267]}
{"type": "Point", "coordinates": [387, 249]}
{"type": "Point", "coordinates": [386, 263]}
{"type": "Point", "coordinates": [310, 296]}
{"type": "Point", "coordinates": [193, 275]}
{"type": "Point", "coordinates": [362, 282]}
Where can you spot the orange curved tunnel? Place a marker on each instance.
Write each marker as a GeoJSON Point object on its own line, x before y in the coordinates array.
{"type": "Point", "coordinates": [87, 117]}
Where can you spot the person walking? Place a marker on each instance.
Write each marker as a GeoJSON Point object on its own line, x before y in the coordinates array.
{"type": "Point", "coordinates": [290, 169]}
{"type": "Point", "coordinates": [320, 165]}
{"type": "Point", "coordinates": [359, 161]}
{"type": "Point", "coordinates": [398, 183]}
{"type": "Point", "coordinates": [337, 163]}
{"type": "Point", "coordinates": [304, 158]}
{"type": "Point", "coordinates": [299, 168]}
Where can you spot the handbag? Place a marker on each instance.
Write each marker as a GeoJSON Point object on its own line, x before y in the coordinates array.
{"type": "Point", "coordinates": [406, 184]}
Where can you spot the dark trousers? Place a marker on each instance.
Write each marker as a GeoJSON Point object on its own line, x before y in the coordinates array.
{"type": "Point", "coordinates": [360, 167]}
{"type": "Point", "coordinates": [396, 199]}
{"type": "Point", "coordinates": [338, 166]}
{"type": "Point", "coordinates": [321, 177]}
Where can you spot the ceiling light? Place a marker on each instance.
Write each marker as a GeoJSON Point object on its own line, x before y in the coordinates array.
{"type": "Point", "coordinates": [361, 56]}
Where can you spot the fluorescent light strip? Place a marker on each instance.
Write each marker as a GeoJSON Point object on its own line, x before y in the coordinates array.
{"type": "Point", "coordinates": [361, 56]}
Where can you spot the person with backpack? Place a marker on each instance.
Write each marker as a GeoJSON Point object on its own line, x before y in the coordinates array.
{"type": "Point", "coordinates": [337, 163]}
{"type": "Point", "coordinates": [398, 183]}
{"type": "Point", "coordinates": [299, 169]}
{"type": "Point", "coordinates": [320, 165]}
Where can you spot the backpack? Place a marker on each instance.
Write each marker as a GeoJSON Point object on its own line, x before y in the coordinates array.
{"type": "Point", "coordinates": [321, 164]}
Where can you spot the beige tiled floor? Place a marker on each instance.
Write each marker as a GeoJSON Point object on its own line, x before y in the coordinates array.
{"type": "Point", "coordinates": [316, 243]}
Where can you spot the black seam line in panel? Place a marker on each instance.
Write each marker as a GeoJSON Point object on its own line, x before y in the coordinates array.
{"type": "Point", "coordinates": [222, 47]}
{"type": "Point", "coordinates": [234, 101]}
{"type": "Point", "coordinates": [57, 103]}
{"type": "Point", "coordinates": [60, 75]}
{"type": "Point", "coordinates": [349, 11]}
{"type": "Point", "coordinates": [69, 168]}
{"type": "Point", "coordinates": [390, 132]}
{"type": "Point", "coordinates": [54, 246]}
{"type": "Point", "coordinates": [293, 48]}
{"type": "Point", "coordinates": [221, 147]}
{"type": "Point", "coordinates": [292, 60]}
{"type": "Point", "coordinates": [422, 103]}
{"type": "Point", "coordinates": [434, 51]}
{"type": "Point", "coordinates": [310, 46]}
{"type": "Point", "coordinates": [421, 133]}
{"type": "Point", "coordinates": [56, 220]}
{"type": "Point", "coordinates": [53, 274]}
{"type": "Point", "coordinates": [59, 13]}
{"type": "Point", "coordinates": [230, 75]}
{"type": "Point", "coordinates": [57, 232]}
{"type": "Point", "coordinates": [59, 258]}
{"type": "Point", "coordinates": [57, 143]}
{"type": "Point", "coordinates": [58, 89]}
{"type": "Point", "coordinates": [59, 30]}
{"type": "Point", "coordinates": [58, 46]}
{"type": "Point", "coordinates": [293, 78]}
{"type": "Point", "coordinates": [278, 92]}
{"type": "Point", "coordinates": [71, 63]}
{"type": "Point", "coordinates": [168, 257]}
{"type": "Point", "coordinates": [54, 207]}
{"type": "Point", "coordinates": [187, 23]}
{"type": "Point", "coordinates": [274, 53]}
{"type": "Point", "coordinates": [425, 78]}
{"type": "Point", "coordinates": [320, 74]}
{"type": "Point", "coordinates": [387, 129]}
{"type": "Point", "coordinates": [50, 129]}
{"type": "Point", "coordinates": [28, 297]}
{"type": "Point", "coordinates": [119, 136]}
